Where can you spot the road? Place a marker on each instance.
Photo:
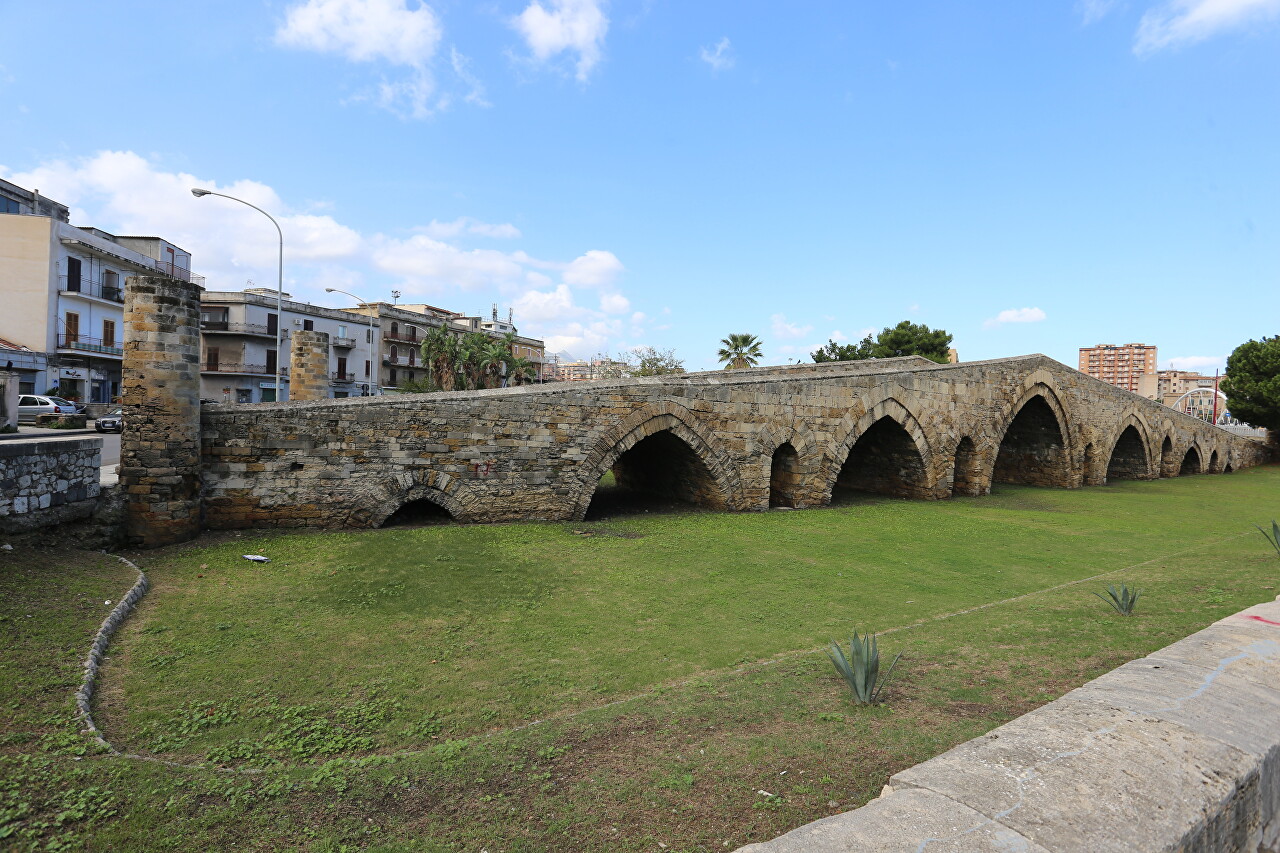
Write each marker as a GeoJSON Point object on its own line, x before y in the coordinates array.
{"type": "Point", "coordinates": [110, 449]}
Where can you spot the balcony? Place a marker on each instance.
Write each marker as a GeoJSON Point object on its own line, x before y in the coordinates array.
{"type": "Point", "coordinates": [400, 361]}
{"type": "Point", "coordinates": [83, 343]}
{"type": "Point", "coordinates": [236, 367]}
{"type": "Point", "coordinates": [342, 377]}
{"type": "Point", "coordinates": [230, 328]}
{"type": "Point", "coordinates": [96, 289]}
{"type": "Point", "coordinates": [174, 271]}
{"type": "Point", "coordinates": [344, 343]}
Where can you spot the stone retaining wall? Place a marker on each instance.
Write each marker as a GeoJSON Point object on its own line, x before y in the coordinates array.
{"type": "Point", "coordinates": [1179, 751]}
{"type": "Point", "coordinates": [45, 482]}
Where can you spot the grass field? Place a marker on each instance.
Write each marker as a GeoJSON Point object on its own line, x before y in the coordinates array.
{"type": "Point", "coordinates": [610, 685]}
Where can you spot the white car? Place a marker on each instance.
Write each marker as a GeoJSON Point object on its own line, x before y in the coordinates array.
{"type": "Point", "coordinates": [30, 405]}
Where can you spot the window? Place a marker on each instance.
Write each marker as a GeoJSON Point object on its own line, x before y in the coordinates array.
{"type": "Point", "coordinates": [342, 330]}
{"type": "Point", "coordinates": [271, 362]}
{"type": "Point", "coordinates": [412, 356]}
{"type": "Point", "coordinates": [111, 285]}
{"type": "Point", "coordinates": [108, 333]}
{"type": "Point", "coordinates": [273, 324]}
{"type": "Point", "coordinates": [73, 274]}
{"type": "Point", "coordinates": [8, 205]}
{"type": "Point", "coordinates": [368, 336]}
{"type": "Point", "coordinates": [393, 376]}
{"type": "Point", "coordinates": [308, 325]}
{"type": "Point", "coordinates": [366, 369]}
{"type": "Point", "coordinates": [395, 330]}
{"type": "Point", "coordinates": [395, 352]}
{"type": "Point", "coordinates": [211, 358]}
{"type": "Point", "coordinates": [72, 323]}
{"type": "Point", "coordinates": [342, 367]}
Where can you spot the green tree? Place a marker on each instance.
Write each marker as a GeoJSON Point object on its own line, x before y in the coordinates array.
{"type": "Point", "coordinates": [648, 361]}
{"type": "Point", "coordinates": [1252, 383]}
{"type": "Point", "coordinates": [740, 350]}
{"type": "Point", "coordinates": [441, 354]}
{"type": "Point", "coordinates": [906, 338]}
{"type": "Point", "coordinates": [845, 352]}
{"type": "Point", "coordinates": [521, 370]}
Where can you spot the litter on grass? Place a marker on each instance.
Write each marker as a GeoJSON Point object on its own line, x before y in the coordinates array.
{"type": "Point", "coordinates": [257, 558]}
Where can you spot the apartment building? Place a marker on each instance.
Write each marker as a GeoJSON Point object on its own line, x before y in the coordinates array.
{"type": "Point", "coordinates": [1167, 385]}
{"type": "Point", "coordinates": [64, 292]}
{"type": "Point", "coordinates": [1122, 366]}
{"type": "Point", "coordinates": [238, 344]}
{"type": "Point", "coordinates": [403, 327]}
{"type": "Point", "coordinates": [584, 371]}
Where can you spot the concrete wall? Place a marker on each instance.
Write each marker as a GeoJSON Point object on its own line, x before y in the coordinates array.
{"type": "Point", "coordinates": [41, 478]}
{"type": "Point", "coordinates": [25, 245]}
{"type": "Point", "coordinates": [537, 452]}
{"type": "Point", "coordinates": [1179, 751]}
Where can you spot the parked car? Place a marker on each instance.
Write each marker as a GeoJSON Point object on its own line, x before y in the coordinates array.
{"type": "Point", "coordinates": [30, 405]}
{"type": "Point", "coordinates": [113, 421]}
{"type": "Point", "coordinates": [78, 407]}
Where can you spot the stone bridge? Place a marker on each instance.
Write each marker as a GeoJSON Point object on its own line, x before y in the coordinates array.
{"type": "Point", "coordinates": [733, 440]}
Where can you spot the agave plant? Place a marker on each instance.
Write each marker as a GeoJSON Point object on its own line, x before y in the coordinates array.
{"type": "Point", "coordinates": [861, 668]}
{"type": "Point", "coordinates": [1122, 599]}
{"type": "Point", "coordinates": [1273, 537]}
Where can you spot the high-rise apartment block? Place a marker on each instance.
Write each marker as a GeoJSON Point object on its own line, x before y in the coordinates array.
{"type": "Point", "coordinates": [1120, 365]}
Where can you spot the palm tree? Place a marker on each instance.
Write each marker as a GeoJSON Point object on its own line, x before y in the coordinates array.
{"type": "Point", "coordinates": [441, 355]}
{"type": "Point", "coordinates": [520, 370]}
{"type": "Point", "coordinates": [493, 362]}
{"type": "Point", "coordinates": [740, 350]}
{"type": "Point", "coordinates": [473, 346]}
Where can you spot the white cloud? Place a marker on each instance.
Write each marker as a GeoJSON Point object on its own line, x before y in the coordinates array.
{"type": "Point", "coordinates": [1092, 11]}
{"type": "Point", "coordinates": [124, 193]}
{"type": "Point", "coordinates": [783, 329]}
{"type": "Point", "coordinates": [720, 57]}
{"type": "Point", "coordinates": [364, 30]}
{"type": "Point", "coordinates": [1196, 362]}
{"type": "Point", "coordinates": [614, 303]}
{"type": "Point", "coordinates": [466, 225]}
{"type": "Point", "coordinates": [399, 33]}
{"type": "Point", "coordinates": [1176, 22]}
{"type": "Point", "coordinates": [1015, 315]}
{"type": "Point", "coordinates": [577, 26]}
{"type": "Point", "coordinates": [595, 268]}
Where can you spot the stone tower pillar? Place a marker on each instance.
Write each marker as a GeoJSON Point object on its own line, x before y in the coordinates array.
{"type": "Point", "coordinates": [309, 366]}
{"type": "Point", "coordinates": [160, 446]}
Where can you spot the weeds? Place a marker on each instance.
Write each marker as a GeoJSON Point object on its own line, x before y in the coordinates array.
{"type": "Point", "coordinates": [861, 669]}
{"type": "Point", "coordinates": [1273, 537]}
{"type": "Point", "coordinates": [1122, 599]}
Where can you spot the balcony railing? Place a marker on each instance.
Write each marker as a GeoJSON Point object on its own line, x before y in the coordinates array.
{"type": "Point", "coordinates": [175, 271]}
{"type": "Point", "coordinates": [342, 377]}
{"type": "Point", "coordinates": [235, 328]}
{"type": "Point", "coordinates": [345, 343]}
{"type": "Point", "coordinates": [72, 284]}
{"type": "Point", "coordinates": [235, 367]}
{"type": "Point", "coordinates": [400, 361]}
{"type": "Point", "coordinates": [84, 343]}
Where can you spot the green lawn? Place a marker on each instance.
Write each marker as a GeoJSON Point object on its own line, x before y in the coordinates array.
{"type": "Point", "coordinates": [383, 681]}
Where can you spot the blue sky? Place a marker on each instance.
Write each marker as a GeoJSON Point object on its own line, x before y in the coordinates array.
{"type": "Point", "coordinates": [1031, 176]}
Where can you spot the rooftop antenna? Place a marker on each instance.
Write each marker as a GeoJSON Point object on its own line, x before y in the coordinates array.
{"type": "Point", "coordinates": [395, 294]}
{"type": "Point", "coordinates": [495, 312]}
{"type": "Point", "coordinates": [511, 314]}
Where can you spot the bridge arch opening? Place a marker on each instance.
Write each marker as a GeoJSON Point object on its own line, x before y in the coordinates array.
{"type": "Point", "coordinates": [418, 513]}
{"type": "Point", "coordinates": [884, 460]}
{"type": "Point", "coordinates": [1213, 462]}
{"type": "Point", "coordinates": [1227, 469]}
{"type": "Point", "coordinates": [659, 473]}
{"type": "Point", "coordinates": [1128, 457]}
{"type": "Point", "coordinates": [966, 478]}
{"type": "Point", "coordinates": [784, 476]}
{"type": "Point", "coordinates": [1167, 460]}
{"type": "Point", "coordinates": [1033, 451]}
{"type": "Point", "coordinates": [1190, 463]}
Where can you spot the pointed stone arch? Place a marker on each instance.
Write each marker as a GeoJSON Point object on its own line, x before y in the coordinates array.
{"type": "Point", "coordinates": [659, 418]}
{"type": "Point", "coordinates": [1035, 441]}
{"type": "Point", "coordinates": [1130, 456]}
{"type": "Point", "coordinates": [851, 433]}
{"type": "Point", "coordinates": [1168, 458]}
{"type": "Point", "coordinates": [969, 467]}
{"type": "Point", "coordinates": [445, 491]}
{"type": "Point", "coordinates": [764, 448]}
{"type": "Point", "coordinates": [1215, 463]}
{"type": "Point", "coordinates": [1192, 462]}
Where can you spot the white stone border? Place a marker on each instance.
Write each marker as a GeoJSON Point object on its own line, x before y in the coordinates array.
{"type": "Point", "coordinates": [92, 663]}
{"type": "Point", "coordinates": [1178, 751]}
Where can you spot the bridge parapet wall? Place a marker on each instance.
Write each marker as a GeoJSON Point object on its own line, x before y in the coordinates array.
{"type": "Point", "coordinates": [536, 452]}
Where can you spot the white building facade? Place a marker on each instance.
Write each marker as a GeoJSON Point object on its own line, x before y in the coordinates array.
{"type": "Point", "coordinates": [238, 346]}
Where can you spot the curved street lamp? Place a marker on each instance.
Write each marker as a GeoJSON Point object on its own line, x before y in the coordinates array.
{"type": "Point", "coordinates": [199, 193]}
{"type": "Point", "coordinates": [373, 357]}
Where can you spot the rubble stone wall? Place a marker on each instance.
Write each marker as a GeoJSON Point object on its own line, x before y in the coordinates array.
{"type": "Point", "coordinates": [39, 477]}
{"type": "Point", "coordinates": [538, 452]}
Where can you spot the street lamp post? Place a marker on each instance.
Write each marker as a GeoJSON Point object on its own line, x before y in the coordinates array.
{"type": "Point", "coordinates": [373, 357]}
{"type": "Point", "coordinates": [199, 193]}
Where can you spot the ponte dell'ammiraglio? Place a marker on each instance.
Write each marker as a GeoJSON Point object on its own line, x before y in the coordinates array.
{"type": "Point", "coordinates": [741, 440]}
